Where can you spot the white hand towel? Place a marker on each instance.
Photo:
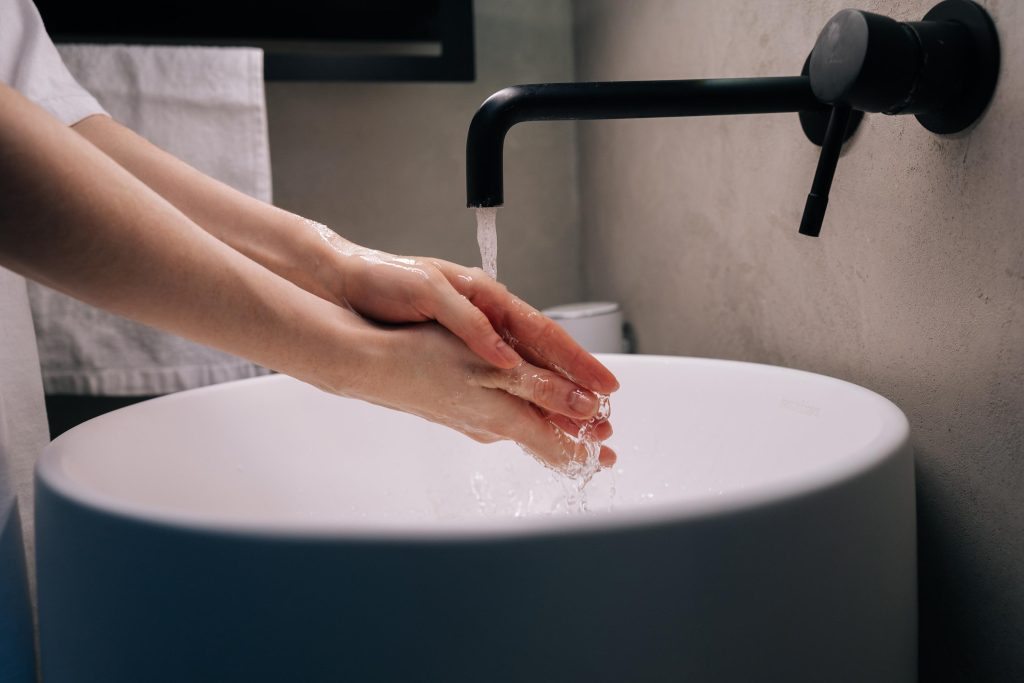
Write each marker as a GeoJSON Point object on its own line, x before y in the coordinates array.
{"type": "Point", "coordinates": [206, 106]}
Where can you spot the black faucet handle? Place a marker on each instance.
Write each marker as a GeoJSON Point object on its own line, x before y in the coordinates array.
{"type": "Point", "coordinates": [831, 146]}
{"type": "Point", "coordinates": [866, 60]}
{"type": "Point", "coordinates": [942, 68]}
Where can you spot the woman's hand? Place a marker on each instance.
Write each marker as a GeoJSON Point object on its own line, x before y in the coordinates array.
{"type": "Point", "coordinates": [475, 381]}
{"type": "Point", "coordinates": [378, 286]}
{"type": "Point", "coordinates": [500, 328]}
{"type": "Point", "coordinates": [423, 369]}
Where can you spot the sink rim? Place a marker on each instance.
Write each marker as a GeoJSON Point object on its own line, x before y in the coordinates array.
{"type": "Point", "coordinates": [891, 441]}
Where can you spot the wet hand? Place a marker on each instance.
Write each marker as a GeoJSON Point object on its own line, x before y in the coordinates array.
{"type": "Point", "coordinates": [423, 369]}
{"type": "Point", "coordinates": [499, 327]}
{"type": "Point", "coordinates": [535, 337]}
{"type": "Point", "coordinates": [401, 289]}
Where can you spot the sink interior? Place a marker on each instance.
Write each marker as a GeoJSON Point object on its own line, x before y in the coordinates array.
{"type": "Point", "coordinates": [693, 436]}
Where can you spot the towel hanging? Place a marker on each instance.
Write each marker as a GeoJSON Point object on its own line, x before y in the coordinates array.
{"type": "Point", "coordinates": [206, 106]}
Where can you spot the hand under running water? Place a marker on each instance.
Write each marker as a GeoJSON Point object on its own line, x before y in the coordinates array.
{"type": "Point", "coordinates": [423, 369]}
{"type": "Point", "coordinates": [478, 310]}
{"type": "Point", "coordinates": [519, 394]}
{"type": "Point", "coordinates": [546, 368]}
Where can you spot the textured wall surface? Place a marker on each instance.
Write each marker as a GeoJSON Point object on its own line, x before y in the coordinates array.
{"type": "Point", "coordinates": [915, 289]}
{"type": "Point", "coordinates": [384, 164]}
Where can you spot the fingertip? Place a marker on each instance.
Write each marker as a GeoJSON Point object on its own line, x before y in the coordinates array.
{"type": "Point", "coordinates": [596, 376]}
{"type": "Point", "coordinates": [607, 458]}
{"type": "Point", "coordinates": [607, 380]}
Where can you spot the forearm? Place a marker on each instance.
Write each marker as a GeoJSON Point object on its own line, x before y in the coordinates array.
{"type": "Point", "coordinates": [281, 241]}
{"type": "Point", "coordinates": [380, 286]}
{"type": "Point", "coordinates": [73, 219]}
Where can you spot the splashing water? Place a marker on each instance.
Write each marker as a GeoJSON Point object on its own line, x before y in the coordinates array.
{"type": "Point", "coordinates": [581, 470]}
{"type": "Point", "coordinates": [487, 238]}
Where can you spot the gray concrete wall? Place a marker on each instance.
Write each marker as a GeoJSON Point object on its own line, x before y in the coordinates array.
{"type": "Point", "coordinates": [915, 289]}
{"type": "Point", "coordinates": [384, 164]}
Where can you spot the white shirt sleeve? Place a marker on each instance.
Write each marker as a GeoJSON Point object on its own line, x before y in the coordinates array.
{"type": "Point", "coordinates": [30, 64]}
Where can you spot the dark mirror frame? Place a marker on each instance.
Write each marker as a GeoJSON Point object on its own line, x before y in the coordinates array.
{"type": "Point", "coordinates": [279, 27]}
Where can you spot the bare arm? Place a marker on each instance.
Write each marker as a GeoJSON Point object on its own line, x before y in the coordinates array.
{"type": "Point", "coordinates": [74, 219]}
{"type": "Point", "coordinates": [278, 239]}
{"type": "Point", "coordinates": [378, 285]}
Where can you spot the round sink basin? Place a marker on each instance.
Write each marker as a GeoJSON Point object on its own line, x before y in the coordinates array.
{"type": "Point", "coordinates": [759, 525]}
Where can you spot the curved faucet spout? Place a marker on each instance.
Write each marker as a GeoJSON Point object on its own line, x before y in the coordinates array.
{"type": "Point", "coordinates": [615, 100]}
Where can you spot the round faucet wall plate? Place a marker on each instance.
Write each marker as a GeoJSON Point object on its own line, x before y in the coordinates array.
{"type": "Point", "coordinates": [967, 108]}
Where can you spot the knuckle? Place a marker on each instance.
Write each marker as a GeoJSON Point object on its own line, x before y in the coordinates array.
{"type": "Point", "coordinates": [435, 288]}
{"type": "Point", "coordinates": [477, 273]}
{"type": "Point", "coordinates": [544, 392]}
{"type": "Point", "coordinates": [422, 298]}
{"type": "Point", "coordinates": [435, 279]}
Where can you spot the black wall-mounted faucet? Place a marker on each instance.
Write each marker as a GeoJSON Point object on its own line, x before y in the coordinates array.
{"type": "Point", "coordinates": [942, 69]}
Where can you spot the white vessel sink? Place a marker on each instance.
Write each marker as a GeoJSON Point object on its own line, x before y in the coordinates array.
{"type": "Point", "coordinates": [759, 525]}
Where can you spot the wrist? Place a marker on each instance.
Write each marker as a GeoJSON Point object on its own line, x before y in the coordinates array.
{"type": "Point", "coordinates": [347, 355]}
{"type": "Point", "coordinates": [365, 362]}
{"type": "Point", "coordinates": [332, 260]}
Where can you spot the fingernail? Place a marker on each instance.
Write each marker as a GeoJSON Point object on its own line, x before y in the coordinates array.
{"type": "Point", "coordinates": [508, 353]}
{"type": "Point", "coordinates": [584, 403]}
